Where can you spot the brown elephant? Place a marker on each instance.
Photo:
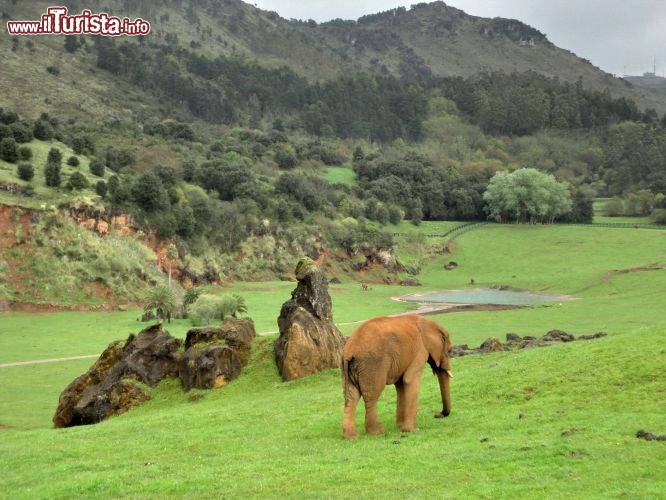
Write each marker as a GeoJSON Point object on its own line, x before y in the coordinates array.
{"type": "Point", "coordinates": [393, 350]}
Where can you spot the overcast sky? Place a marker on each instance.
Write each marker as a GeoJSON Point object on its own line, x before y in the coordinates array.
{"type": "Point", "coordinates": [619, 36]}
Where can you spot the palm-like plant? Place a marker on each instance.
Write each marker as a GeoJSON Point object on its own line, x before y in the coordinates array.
{"type": "Point", "coordinates": [163, 300]}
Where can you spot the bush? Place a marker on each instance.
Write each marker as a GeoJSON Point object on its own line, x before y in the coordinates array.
{"type": "Point", "coordinates": [52, 174]}
{"type": "Point", "coordinates": [209, 308]}
{"type": "Point", "coordinates": [77, 181]}
{"type": "Point", "coordinates": [659, 216]}
{"type": "Point", "coordinates": [5, 131]}
{"type": "Point", "coordinates": [21, 131]}
{"type": "Point", "coordinates": [97, 168]}
{"type": "Point", "coordinates": [25, 153]}
{"type": "Point", "coordinates": [101, 188]}
{"type": "Point", "coordinates": [73, 161]}
{"type": "Point", "coordinates": [83, 145]}
{"type": "Point", "coordinates": [9, 150]}
{"type": "Point", "coordinates": [43, 130]}
{"type": "Point", "coordinates": [25, 171]}
{"type": "Point", "coordinates": [614, 207]}
{"type": "Point", "coordinates": [54, 156]}
{"type": "Point", "coordinates": [285, 156]}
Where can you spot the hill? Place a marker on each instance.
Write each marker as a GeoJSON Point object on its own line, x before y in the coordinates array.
{"type": "Point", "coordinates": [428, 39]}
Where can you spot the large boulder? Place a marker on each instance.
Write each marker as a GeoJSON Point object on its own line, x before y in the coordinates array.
{"type": "Point", "coordinates": [109, 386]}
{"type": "Point", "coordinates": [309, 341]}
{"type": "Point", "coordinates": [215, 355]}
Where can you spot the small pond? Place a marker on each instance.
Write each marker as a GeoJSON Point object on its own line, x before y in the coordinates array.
{"type": "Point", "coordinates": [485, 296]}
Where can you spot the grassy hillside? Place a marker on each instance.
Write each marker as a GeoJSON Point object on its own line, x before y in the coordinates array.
{"type": "Point", "coordinates": [556, 422]}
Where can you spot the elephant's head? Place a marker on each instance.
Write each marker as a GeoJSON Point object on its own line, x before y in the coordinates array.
{"type": "Point", "coordinates": [437, 341]}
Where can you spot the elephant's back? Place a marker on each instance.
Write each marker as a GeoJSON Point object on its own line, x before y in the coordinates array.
{"type": "Point", "coordinates": [383, 334]}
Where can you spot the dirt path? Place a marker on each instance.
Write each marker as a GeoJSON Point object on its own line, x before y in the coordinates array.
{"type": "Point", "coordinates": [430, 309]}
{"type": "Point", "coordinates": [40, 361]}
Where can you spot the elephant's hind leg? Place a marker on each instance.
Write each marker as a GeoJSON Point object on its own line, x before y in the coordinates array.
{"type": "Point", "coordinates": [372, 425]}
{"type": "Point", "coordinates": [400, 406]}
{"type": "Point", "coordinates": [352, 397]}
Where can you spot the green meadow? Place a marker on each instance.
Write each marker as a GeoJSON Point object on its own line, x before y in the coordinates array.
{"type": "Point", "coordinates": [556, 422]}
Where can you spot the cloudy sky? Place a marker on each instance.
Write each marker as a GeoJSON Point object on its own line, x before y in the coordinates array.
{"type": "Point", "coordinates": [619, 36]}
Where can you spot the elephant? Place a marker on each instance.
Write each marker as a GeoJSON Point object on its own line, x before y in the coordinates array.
{"type": "Point", "coordinates": [393, 350]}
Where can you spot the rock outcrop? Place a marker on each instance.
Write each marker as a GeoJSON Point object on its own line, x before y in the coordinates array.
{"type": "Point", "coordinates": [112, 386]}
{"type": "Point", "coordinates": [514, 341]}
{"type": "Point", "coordinates": [216, 355]}
{"type": "Point", "coordinates": [109, 387]}
{"type": "Point", "coordinates": [309, 340]}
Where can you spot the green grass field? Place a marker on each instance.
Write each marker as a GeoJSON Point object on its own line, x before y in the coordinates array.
{"type": "Point", "coordinates": [342, 175]}
{"type": "Point", "coordinates": [557, 422]}
{"type": "Point", "coordinates": [44, 195]}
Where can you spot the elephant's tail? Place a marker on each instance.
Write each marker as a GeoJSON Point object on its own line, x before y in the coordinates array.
{"type": "Point", "coordinates": [350, 373]}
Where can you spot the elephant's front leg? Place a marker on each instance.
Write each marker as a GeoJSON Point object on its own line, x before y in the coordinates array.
{"type": "Point", "coordinates": [408, 403]}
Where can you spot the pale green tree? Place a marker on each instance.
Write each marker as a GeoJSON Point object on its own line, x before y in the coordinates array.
{"type": "Point", "coordinates": [526, 195]}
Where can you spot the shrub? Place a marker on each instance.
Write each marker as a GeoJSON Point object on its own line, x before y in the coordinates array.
{"type": "Point", "coordinates": [25, 171]}
{"type": "Point", "coordinates": [43, 130]}
{"type": "Point", "coordinates": [659, 216]}
{"type": "Point", "coordinates": [614, 207]}
{"type": "Point", "coordinates": [211, 307]}
{"type": "Point", "coordinates": [97, 168]}
{"type": "Point", "coordinates": [101, 188]}
{"type": "Point", "coordinates": [73, 161]}
{"type": "Point", "coordinates": [5, 131]}
{"type": "Point", "coordinates": [52, 174]}
{"type": "Point", "coordinates": [25, 153]}
{"type": "Point", "coordinates": [285, 155]}
{"type": "Point", "coordinates": [54, 156]}
{"type": "Point", "coordinates": [83, 145]}
{"type": "Point", "coordinates": [9, 150]}
{"type": "Point", "coordinates": [21, 131]}
{"type": "Point", "coordinates": [77, 181]}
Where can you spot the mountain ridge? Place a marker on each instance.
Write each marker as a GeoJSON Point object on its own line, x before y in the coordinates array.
{"type": "Point", "coordinates": [429, 39]}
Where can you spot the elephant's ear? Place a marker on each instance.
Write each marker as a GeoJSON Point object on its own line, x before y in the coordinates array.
{"type": "Point", "coordinates": [436, 341]}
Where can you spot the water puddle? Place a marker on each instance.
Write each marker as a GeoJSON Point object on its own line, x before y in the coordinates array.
{"type": "Point", "coordinates": [484, 297]}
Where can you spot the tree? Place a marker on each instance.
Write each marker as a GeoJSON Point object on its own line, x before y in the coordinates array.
{"type": "Point", "coordinates": [171, 255]}
{"type": "Point", "coordinates": [526, 195]}
{"type": "Point", "coordinates": [163, 300]}
{"type": "Point", "coordinates": [149, 193]}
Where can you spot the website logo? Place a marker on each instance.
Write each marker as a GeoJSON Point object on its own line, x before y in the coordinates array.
{"type": "Point", "coordinates": [56, 22]}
